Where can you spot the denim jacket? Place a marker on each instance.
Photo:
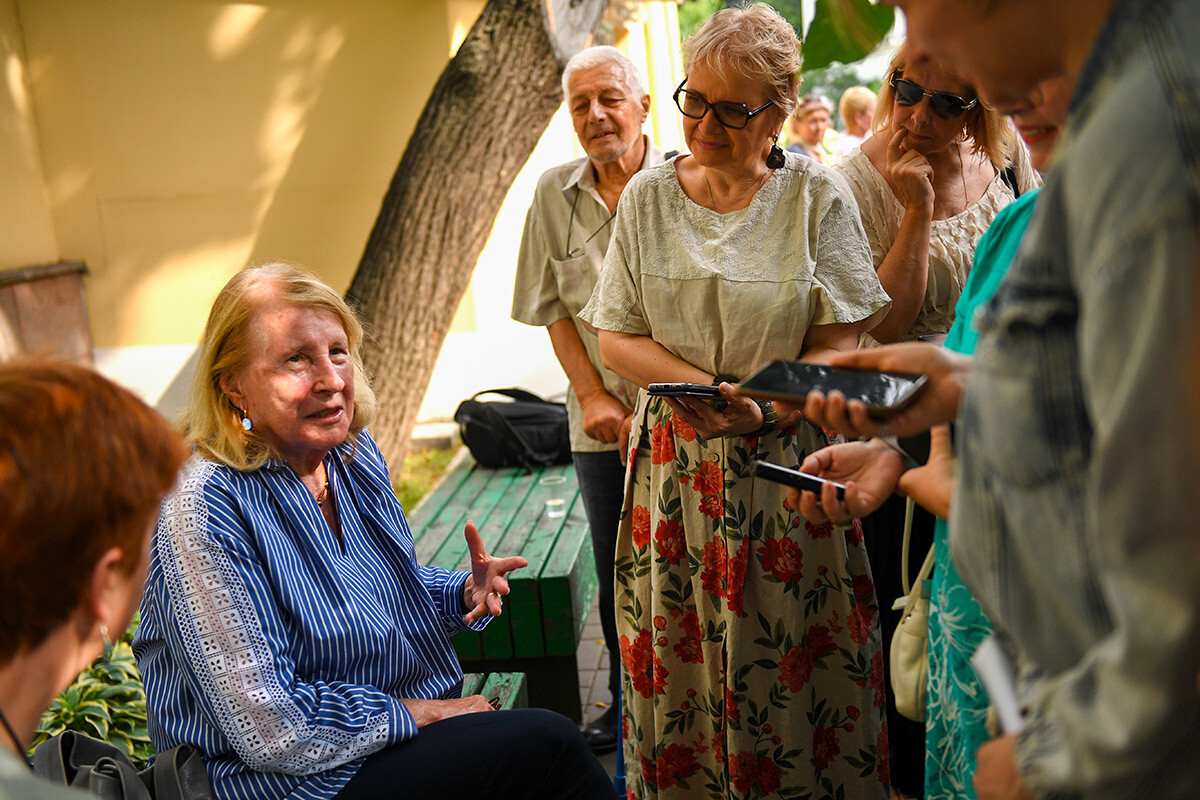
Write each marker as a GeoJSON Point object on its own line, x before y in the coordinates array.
{"type": "Point", "coordinates": [1077, 520]}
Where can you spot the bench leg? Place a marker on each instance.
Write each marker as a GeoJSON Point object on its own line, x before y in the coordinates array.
{"type": "Point", "coordinates": [553, 681]}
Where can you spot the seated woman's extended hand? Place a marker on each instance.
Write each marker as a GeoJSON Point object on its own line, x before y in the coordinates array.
{"type": "Point", "coordinates": [486, 584]}
{"type": "Point", "coordinates": [739, 415]}
{"type": "Point", "coordinates": [426, 711]}
{"type": "Point", "coordinates": [870, 471]}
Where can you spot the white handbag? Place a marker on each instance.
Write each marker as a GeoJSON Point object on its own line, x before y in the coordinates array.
{"type": "Point", "coordinates": [909, 657]}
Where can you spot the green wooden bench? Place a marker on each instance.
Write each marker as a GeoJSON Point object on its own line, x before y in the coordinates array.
{"type": "Point", "coordinates": [503, 690]}
{"type": "Point", "coordinates": [545, 612]}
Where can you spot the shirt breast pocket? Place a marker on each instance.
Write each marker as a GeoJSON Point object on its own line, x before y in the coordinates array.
{"type": "Point", "coordinates": [575, 278]}
{"type": "Point", "coordinates": [1024, 397]}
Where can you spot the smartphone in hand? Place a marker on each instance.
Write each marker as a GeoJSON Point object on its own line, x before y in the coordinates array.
{"type": "Point", "coordinates": [702, 390]}
{"type": "Point", "coordinates": [796, 478]}
{"type": "Point", "coordinates": [884, 393]}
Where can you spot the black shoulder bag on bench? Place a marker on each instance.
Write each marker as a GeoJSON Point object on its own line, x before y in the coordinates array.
{"type": "Point", "coordinates": [526, 431]}
{"type": "Point", "coordinates": [102, 770]}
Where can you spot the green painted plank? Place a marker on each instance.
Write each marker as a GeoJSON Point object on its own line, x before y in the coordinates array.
{"type": "Point", "coordinates": [568, 584]}
{"type": "Point", "coordinates": [473, 683]}
{"type": "Point", "coordinates": [491, 510]}
{"type": "Point", "coordinates": [432, 505]}
{"type": "Point", "coordinates": [524, 600]}
{"type": "Point", "coordinates": [453, 516]}
{"type": "Point", "coordinates": [505, 690]}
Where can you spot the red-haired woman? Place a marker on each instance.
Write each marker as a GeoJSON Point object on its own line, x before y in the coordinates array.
{"type": "Point", "coordinates": [83, 467]}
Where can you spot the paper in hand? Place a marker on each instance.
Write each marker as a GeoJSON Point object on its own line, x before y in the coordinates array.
{"type": "Point", "coordinates": [996, 673]}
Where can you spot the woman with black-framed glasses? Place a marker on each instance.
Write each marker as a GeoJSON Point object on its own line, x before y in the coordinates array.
{"type": "Point", "coordinates": [749, 642]}
{"type": "Point", "coordinates": [928, 184]}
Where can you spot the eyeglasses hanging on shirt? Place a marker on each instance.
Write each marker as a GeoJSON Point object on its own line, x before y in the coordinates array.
{"type": "Point", "coordinates": [578, 251]}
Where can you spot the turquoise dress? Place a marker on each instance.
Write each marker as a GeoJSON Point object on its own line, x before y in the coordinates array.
{"type": "Point", "coordinates": [957, 704]}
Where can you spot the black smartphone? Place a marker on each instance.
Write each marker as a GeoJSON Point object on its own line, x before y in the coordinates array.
{"type": "Point", "coordinates": [704, 390]}
{"type": "Point", "coordinates": [796, 478]}
{"type": "Point", "coordinates": [884, 393]}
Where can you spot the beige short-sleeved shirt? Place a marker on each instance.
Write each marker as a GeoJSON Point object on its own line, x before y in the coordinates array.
{"type": "Point", "coordinates": [729, 292]}
{"type": "Point", "coordinates": [551, 286]}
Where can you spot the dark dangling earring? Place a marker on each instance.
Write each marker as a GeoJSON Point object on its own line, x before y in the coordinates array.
{"type": "Point", "coordinates": [775, 157]}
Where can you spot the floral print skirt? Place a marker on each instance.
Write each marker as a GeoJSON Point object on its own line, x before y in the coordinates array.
{"type": "Point", "coordinates": [749, 638]}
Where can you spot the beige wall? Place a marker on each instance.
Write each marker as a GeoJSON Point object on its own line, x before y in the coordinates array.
{"type": "Point", "coordinates": [166, 143]}
{"type": "Point", "coordinates": [27, 232]}
{"type": "Point", "coordinates": [180, 140]}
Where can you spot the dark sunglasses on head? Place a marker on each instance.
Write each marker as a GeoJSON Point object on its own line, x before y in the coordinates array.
{"type": "Point", "coordinates": [944, 104]}
{"type": "Point", "coordinates": [730, 115]}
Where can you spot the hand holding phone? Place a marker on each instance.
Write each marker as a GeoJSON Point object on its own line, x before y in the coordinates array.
{"type": "Point", "coordinates": [702, 390]}
{"type": "Point", "coordinates": [796, 478]}
{"type": "Point", "coordinates": [884, 393]}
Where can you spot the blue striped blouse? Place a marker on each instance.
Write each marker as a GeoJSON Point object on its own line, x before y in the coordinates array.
{"type": "Point", "coordinates": [278, 653]}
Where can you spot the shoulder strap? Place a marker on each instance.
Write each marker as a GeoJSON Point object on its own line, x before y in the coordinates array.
{"type": "Point", "coordinates": [1009, 176]}
{"type": "Point", "coordinates": [515, 394]}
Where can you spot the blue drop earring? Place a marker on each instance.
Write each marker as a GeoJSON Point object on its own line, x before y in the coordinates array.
{"type": "Point", "coordinates": [246, 423]}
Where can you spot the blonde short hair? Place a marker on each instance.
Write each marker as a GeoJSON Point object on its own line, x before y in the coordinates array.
{"type": "Point", "coordinates": [855, 100]}
{"type": "Point", "coordinates": [989, 130]}
{"type": "Point", "coordinates": [210, 421]}
{"type": "Point", "coordinates": [754, 41]}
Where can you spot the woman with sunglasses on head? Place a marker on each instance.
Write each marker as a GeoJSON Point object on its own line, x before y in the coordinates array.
{"type": "Point", "coordinates": [749, 641]}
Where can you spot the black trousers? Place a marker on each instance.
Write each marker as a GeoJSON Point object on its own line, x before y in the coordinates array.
{"type": "Point", "coordinates": [883, 535]}
{"type": "Point", "coordinates": [602, 488]}
{"type": "Point", "coordinates": [524, 754]}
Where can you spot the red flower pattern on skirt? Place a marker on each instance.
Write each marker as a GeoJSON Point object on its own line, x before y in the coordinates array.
{"type": "Point", "coordinates": [826, 746]}
{"type": "Point", "coordinates": [795, 668]}
{"type": "Point", "coordinates": [714, 561]}
{"type": "Point", "coordinates": [783, 558]}
{"type": "Point", "coordinates": [712, 505]}
{"type": "Point", "coordinates": [676, 762]}
{"type": "Point", "coordinates": [743, 770]}
{"type": "Point", "coordinates": [646, 669]}
{"type": "Point", "coordinates": [682, 429]}
{"type": "Point", "coordinates": [709, 478]}
{"type": "Point", "coordinates": [669, 540]}
{"type": "Point", "coordinates": [662, 444]}
{"type": "Point", "coordinates": [640, 528]}
{"type": "Point", "coordinates": [688, 649]}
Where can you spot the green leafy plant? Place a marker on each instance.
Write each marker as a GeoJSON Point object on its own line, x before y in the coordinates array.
{"type": "Point", "coordinates": [107, 701]}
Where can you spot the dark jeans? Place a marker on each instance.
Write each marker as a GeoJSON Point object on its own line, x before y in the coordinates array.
{"type": "Point", "coordinates": [602, 487]}
{"type": "Point", "coordinates": [525, 754]}
{"type": "Point", "coordinates": [883, 535]}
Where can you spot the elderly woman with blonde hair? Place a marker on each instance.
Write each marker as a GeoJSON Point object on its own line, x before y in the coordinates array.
{"type": "Point", "coordinates": [287, 630]}
{"type": "Point", "coordinates": [749, 640]}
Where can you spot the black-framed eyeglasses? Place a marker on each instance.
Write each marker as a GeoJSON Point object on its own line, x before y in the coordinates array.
{"type": "Point", "coordinates": [730, 115]}
{"type": "Point", "coordinates": [944, 104]}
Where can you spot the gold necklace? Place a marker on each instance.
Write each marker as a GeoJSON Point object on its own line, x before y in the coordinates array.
{"type": "Point", "coordinates": [712, 202]}
{"type": "Point", "coordinates": [321, 495]}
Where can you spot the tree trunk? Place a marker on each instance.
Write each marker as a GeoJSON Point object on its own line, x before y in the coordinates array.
{"type": "Point", "coordinates": [489, 108]}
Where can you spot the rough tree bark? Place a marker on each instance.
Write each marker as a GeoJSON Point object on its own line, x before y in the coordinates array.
{"type": "Point", "coordinates": [485, 115]}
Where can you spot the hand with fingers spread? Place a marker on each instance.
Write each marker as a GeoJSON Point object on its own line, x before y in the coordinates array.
{"type": "Point", "coordinates": [487, 584]}
{"type": "Point", "coordinates": [870, 471]}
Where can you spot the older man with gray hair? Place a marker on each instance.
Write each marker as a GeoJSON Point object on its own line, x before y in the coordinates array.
{"type": "Point", "coordinates": [562, 249]}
